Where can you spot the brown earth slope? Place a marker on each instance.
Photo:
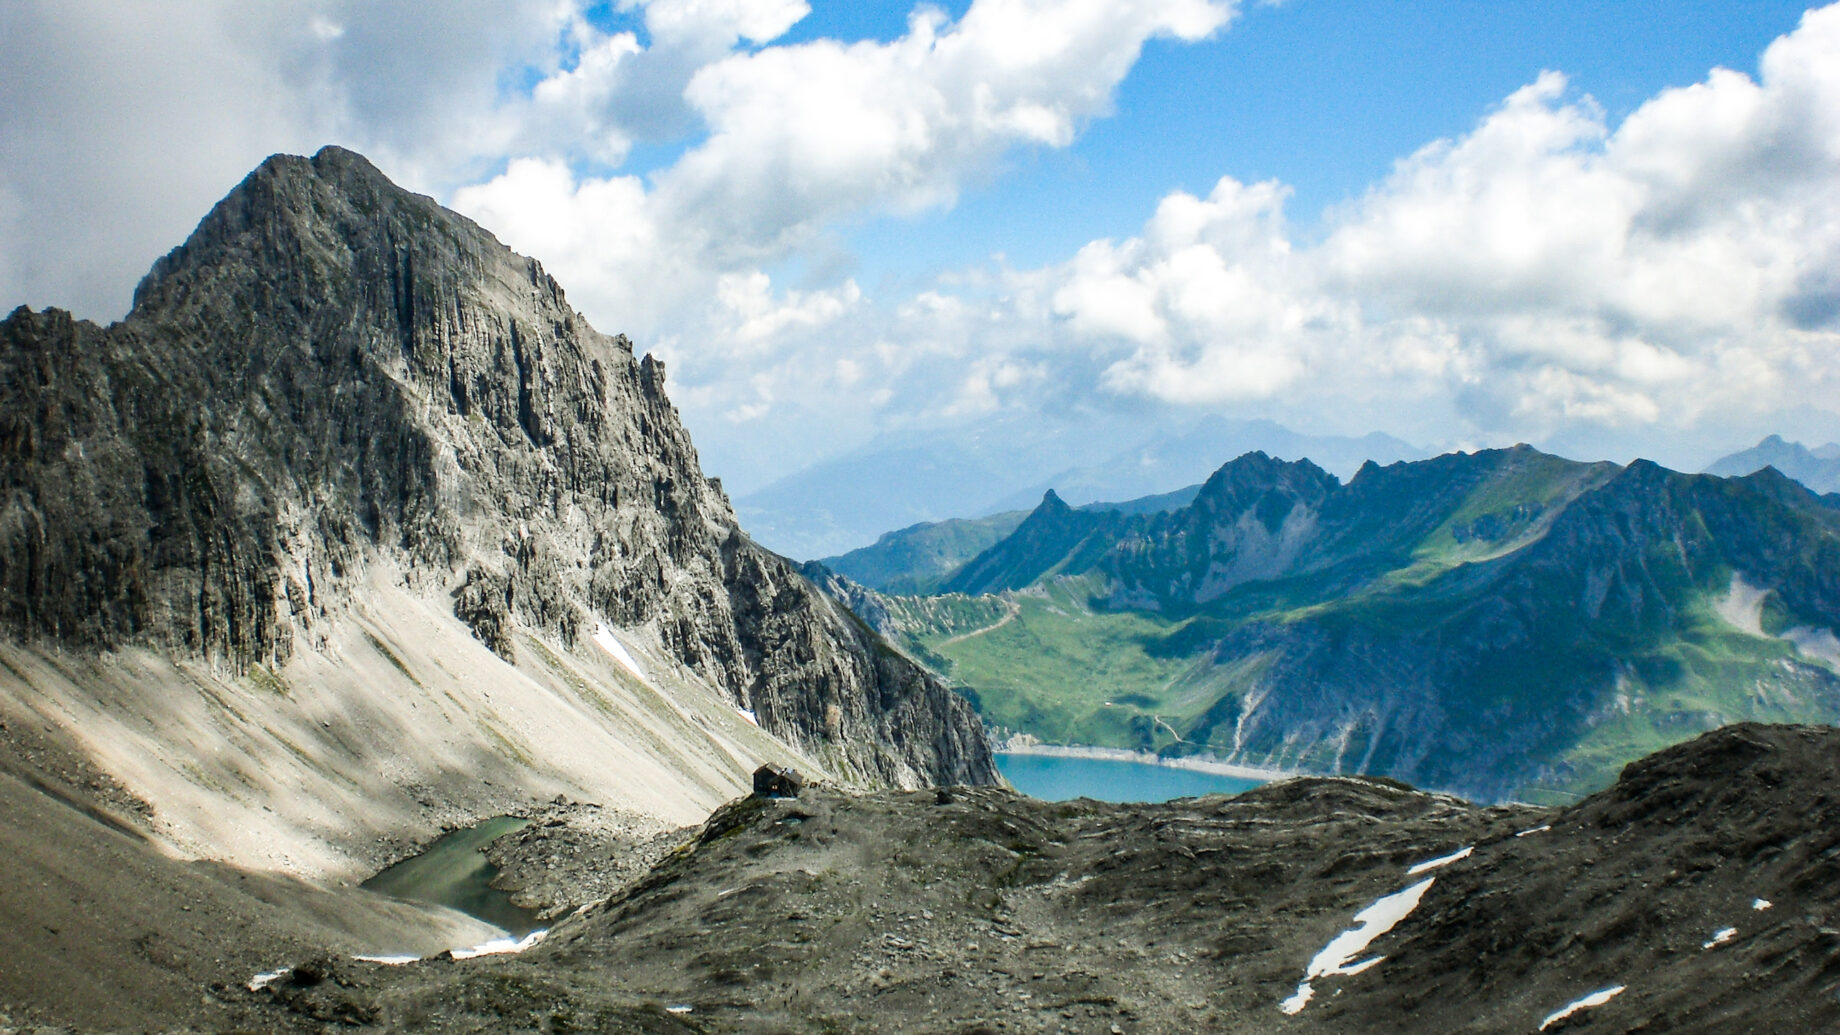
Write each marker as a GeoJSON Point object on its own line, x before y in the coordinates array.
{"type": "Point", "coordinates": [104, 929]}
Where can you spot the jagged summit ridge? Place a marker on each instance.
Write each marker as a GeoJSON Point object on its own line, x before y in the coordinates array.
{"type": "Point", "coordinates": [332, 372]}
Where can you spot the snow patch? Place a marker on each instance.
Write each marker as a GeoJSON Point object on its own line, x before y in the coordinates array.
{"type": "Point", "coordinates": [1597, 998]}
{"type": "Point", "coordinates": [261, 981]}
{"type": "Point", "coordinates": [499, 946]}
{"type": "Point", "coordinates": [1535, 830]}
{"type": "Point", "coordinates": [1370, 923]}
{"type": "Point", "coordinates": [679, 1008]}
{"type": "Point", "coordinates": [1760, 904]}
{"type": "Point", "coordinates": [1442, 860]}
{"type": "Point", "coordinates": [1719, 937]}
{"type": "Point", "coordinates": [388, 961]}
{"type": "Point", "coordinates": [1298, 1000]}
{"type": "Point", "coordinates": [604, 636]}
{"type": "Point", "coordinates": [748, 715]}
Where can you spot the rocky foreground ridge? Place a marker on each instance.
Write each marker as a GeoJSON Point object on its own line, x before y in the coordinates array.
{"type": "Point", "coordinates": [353, 490]}
{"type": "Point", "coordinates": [1703, 888]}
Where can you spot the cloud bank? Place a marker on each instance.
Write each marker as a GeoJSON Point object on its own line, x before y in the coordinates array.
{"type": "Point", "coordinates": [1543, 270]}
{"type": "Point", "coordinates": [1548, 274]}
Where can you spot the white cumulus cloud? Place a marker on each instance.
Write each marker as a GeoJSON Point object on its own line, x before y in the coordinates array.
{"type": "Point", "coordinates": [802, 137]}
{"type": "Point", "coordinates": [1545, 271]}
{"type": "Point", "coordinates": [722, 22]}
{"type": "Point", "coordinates": [1549, 270]}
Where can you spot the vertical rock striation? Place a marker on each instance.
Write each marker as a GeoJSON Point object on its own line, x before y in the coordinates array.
{"type": "Point", "coordinates": [331, 371]}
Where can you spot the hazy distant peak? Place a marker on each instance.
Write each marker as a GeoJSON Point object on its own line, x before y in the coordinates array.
{"type": "Point", "coordinates": [1818, 469]}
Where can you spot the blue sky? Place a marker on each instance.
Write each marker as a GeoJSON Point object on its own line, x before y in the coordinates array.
{"type": "Point", "coordinates": [1463, 224]}
{"type": "Point", "coordinates": [1323, 95]}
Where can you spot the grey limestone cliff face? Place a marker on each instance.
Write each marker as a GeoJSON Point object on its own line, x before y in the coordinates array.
{"type": "Point", "coordinates": [331, 371]}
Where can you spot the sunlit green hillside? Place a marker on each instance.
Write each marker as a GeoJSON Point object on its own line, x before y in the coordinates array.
{"type": "Point", "coordinates": [1504, 624]}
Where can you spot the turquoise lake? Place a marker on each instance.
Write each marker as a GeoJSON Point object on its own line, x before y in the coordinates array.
{"type": "Point", "coordinates": [455, 872]}
{"type": "Point", "coordinates": [1054, 778]}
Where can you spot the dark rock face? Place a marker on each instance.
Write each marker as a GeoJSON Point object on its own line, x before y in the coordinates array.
{"type": "Point", "coordinates": [332, 372]}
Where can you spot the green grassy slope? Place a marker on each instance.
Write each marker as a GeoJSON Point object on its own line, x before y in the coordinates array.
{"type": "Point", "coordinates": [1502, 624]}
{"type": "Point", "coordinates": [918, 558]}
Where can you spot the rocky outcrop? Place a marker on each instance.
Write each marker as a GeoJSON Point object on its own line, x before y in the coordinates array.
{"type": "Point", "coordinates": [1702, 889]}
{"type": "Point", "coordinates": [331, 371]}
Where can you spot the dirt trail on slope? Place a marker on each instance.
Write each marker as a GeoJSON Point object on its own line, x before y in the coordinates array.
{"type": "Point", "coordinates": [1015, 609]}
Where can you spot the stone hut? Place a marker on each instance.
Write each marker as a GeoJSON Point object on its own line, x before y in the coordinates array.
{"type": "Point", "coordinates": [772, 781]}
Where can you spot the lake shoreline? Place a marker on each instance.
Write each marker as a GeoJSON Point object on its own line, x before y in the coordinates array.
{"type": "Point", "coordinates": [1199, 765]}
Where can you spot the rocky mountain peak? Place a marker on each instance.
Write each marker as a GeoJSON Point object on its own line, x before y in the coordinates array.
{"type": "Point", "coordinates": [331, 372]}
{"type": "Point", "coordinates": [1818, 468]}
{"type": "Point", "coordinates": [1258, 482]}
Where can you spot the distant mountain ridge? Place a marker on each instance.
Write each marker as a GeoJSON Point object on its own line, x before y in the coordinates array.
{"type": "Point", "coordinates": [1817, 468]}
{"type": "Point", "coordinates": [918, 558]}
{"type": "Point", "coordinates": [1056, 539]}
{"type": "Point", "coordinates": [1189, 457]}
{"type": "Point", "coordinates": [845, 504]}
{"type": "Point", "coordinates": [1496, 623]}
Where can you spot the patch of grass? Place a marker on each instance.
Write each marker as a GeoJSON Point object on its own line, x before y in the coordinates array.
{"type": "Point", "coordinates": [922, 619]}
{"type": "Point", "coordinates": [197, 775]}
{"type": "Point", "coordinates": [1680, 690]}
{"type": "Point", "coordinates": [390, 656]}
{"type": "Point", "coordinates": [266, 680]}
{"type": "Point", "coordinates": [1510, 508]}
{"type": "Point", "coordinates": [1537, 482]}
{"type": "Point", "coordinates": [1068, 673]}
{"type": "Point", "coordinates": [917, 559]}
{"type": "Point", "coordinates": [584, 689]}
{"type": "Point", "coordinates": [216, 700]}
{"type": "Point", "coordinates": [311, 761]}
{"type": "Point", "coordinates": [506, 744]}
